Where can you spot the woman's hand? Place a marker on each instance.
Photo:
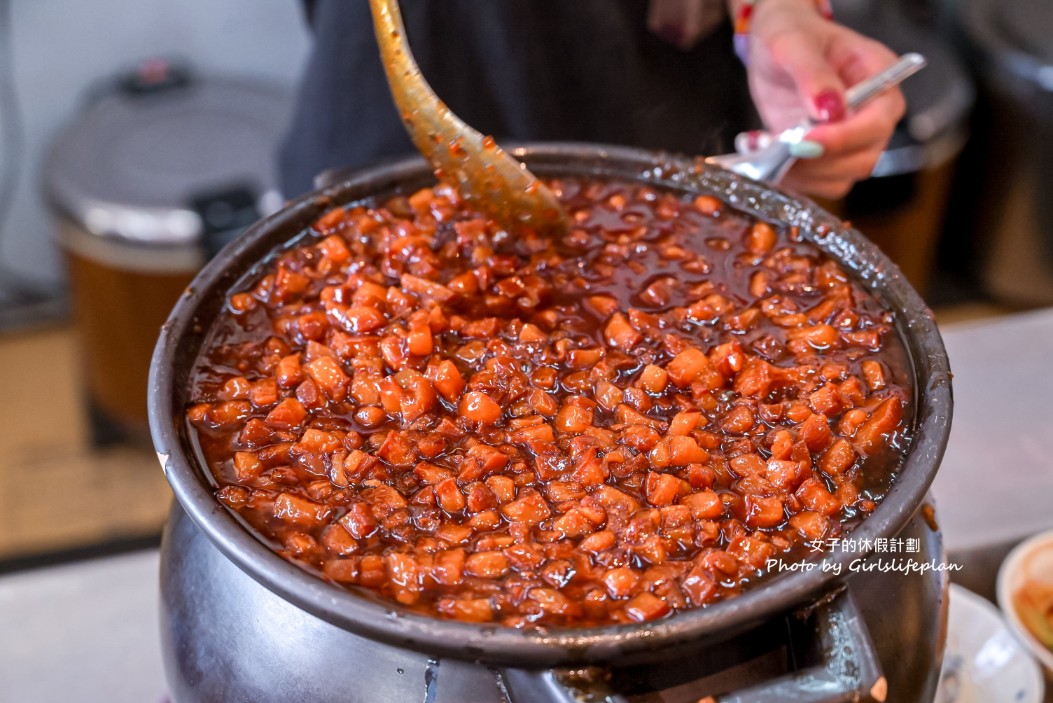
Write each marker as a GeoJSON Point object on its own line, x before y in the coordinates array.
{"type": "Point", "coordinates": [800, 65]}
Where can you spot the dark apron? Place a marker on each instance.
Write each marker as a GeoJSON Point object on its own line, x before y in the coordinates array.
{"type": "Point", "coordinates": [582, 70]}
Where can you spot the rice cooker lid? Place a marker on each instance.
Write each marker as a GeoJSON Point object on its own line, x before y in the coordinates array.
{"type": "Point", "coordinates": [163, 157]}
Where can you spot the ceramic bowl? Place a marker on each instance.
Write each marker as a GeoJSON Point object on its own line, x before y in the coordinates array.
{"type": "Point", "coordinates": [984, 662]}
{"type": "Point", "coordinates": [1031, 560]}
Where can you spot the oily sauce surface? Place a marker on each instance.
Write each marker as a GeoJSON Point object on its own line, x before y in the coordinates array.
{"type": "Point", "coordinates": [606, 428]}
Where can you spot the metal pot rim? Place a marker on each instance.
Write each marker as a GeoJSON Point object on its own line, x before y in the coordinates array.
{"type": "Point", "coordinates": [187, 326]}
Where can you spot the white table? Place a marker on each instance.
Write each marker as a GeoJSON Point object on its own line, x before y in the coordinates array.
{"type": "Point", "coordinates": [996, 482]}
{"type": "Point", "coordinates": [88, 631]}
{"type": "Point", "coordinates": [84, 632]}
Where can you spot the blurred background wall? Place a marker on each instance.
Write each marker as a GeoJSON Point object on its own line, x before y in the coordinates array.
{"type": "Point", "coordinates": [59, 48]}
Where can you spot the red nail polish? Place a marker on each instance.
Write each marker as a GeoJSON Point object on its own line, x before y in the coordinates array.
{"type": "Point", "coordinates": [829, 106]}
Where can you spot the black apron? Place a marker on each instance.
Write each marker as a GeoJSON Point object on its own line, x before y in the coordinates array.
{"type": "Point", "coordinates": [579, 70]}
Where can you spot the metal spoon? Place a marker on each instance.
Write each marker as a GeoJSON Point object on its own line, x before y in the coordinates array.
{"type": "Point", "coordinates": [773, 161]}
{"type": "Point", "coordinates": [486, 176]}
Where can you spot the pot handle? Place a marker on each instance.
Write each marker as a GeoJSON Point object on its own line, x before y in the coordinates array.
{"type": "Point", "coordinates": [845, 669]}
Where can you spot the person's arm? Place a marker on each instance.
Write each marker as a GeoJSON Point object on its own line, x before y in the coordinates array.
{"type": "Point", "coordinates": [800, 63]}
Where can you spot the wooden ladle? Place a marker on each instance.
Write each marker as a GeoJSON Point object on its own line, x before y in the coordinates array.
{"type": "Point", "coordinates": [484, 174]}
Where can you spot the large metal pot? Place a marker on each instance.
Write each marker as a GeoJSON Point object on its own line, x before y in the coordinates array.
{"type": "Point", "coordinates": [331, 644]}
